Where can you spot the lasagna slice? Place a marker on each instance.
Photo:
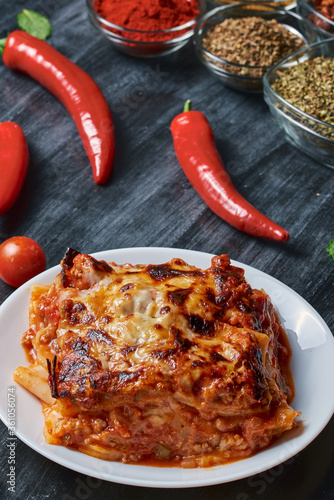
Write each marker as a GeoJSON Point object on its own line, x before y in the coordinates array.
{"type": "Point", "coordinates": [159, 364]}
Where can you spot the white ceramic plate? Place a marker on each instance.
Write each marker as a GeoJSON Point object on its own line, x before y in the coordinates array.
{"type": "Point", "coordinates": [312, 366]}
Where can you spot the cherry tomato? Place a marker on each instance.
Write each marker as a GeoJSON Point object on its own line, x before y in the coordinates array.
{"type": "Point", "coordinates": [21, 258]}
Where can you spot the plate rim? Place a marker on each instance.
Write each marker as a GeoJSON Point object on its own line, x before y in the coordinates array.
{"type": "Point", "coordinates": [176, 483]}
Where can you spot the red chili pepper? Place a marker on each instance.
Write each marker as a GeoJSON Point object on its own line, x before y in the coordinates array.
{"type": "Point", "coordinates": [74, 88]}
{"type": "Point", "coordinates": [14, 159]}
{"type": "Point", "coordinates": [197, 154]}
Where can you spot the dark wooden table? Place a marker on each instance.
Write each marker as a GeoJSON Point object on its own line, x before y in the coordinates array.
{"type": "Point", "coordinates": [149, 202]}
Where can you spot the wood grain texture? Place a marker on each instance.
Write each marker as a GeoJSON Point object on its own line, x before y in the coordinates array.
{"type": "Point", "coordinates": [149, 202]}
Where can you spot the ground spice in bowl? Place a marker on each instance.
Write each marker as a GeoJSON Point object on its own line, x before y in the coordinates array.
{"type": "Point", "coordinates": [325, 7]}
{"type": "Point", "coordinates": [251, 42]}
{"type": "Point", "coordinates": [309, 86]}
{"type": "Point", "coordinates": [148, 16]}
{"type": "Point", "coordinates": [320, 13]}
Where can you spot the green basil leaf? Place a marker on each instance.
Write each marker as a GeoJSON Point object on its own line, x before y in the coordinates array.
{"type": "Point", "coordinates": [35, 24]}
{"type": "Point", "coordinates": [2, 44]}
{"type": "Point", "coordinates": [330, 249]}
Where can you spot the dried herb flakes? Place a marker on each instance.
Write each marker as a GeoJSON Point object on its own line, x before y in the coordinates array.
{"type": "Point", "coordinates": [309, 86]}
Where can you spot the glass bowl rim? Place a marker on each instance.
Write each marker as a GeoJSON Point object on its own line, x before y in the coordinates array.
{"type": "Point", "coordinates": [291, 5]}
{"type": "Point", "coordinates": [315, 12]}
{"type": "Point", "coordinates": [211, 13]}
{"type": "Point", "coordinates": [268, 87]}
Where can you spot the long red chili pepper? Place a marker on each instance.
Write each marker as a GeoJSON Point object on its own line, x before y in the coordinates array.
{"type": "Point", "coordinates": [197, 154]}
{"type": "Point", "coordinates": [74, 88]}
{"type": "Point", "coordinates": [14, 159]}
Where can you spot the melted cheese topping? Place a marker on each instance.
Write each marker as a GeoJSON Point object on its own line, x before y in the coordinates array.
{"type": "Point", "coordinates": [160, 362]}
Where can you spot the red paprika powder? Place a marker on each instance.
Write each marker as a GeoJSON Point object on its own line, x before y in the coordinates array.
{"type": "Point", "coordinates": [148, 15]}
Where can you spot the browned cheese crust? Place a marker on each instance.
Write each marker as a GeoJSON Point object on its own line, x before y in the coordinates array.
{"type": "Point", "coordinates": [160, 364]}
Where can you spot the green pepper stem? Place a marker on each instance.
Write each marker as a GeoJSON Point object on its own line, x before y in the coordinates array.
{"type": "Point", "coordinates": [2, 45]}
{"type": "Point", "coordinates": [187, 106]}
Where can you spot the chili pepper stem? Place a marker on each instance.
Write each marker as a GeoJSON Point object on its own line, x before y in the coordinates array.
{"type": "Point", "coordinates": [187, 106]}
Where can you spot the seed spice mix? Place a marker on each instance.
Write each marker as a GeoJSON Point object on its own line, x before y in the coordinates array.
{"type": "Point", "coordinates": [251, 41]}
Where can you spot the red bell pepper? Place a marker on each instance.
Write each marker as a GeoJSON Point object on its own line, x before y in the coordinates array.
{"type": "Point", "coordinates": [197, 154]}
{"type": "Point", "coordinates": [14, 160]}
{"type": "Point", "coordinates": [74, 88]}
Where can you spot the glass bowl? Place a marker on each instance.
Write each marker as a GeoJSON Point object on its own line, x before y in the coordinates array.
{"type": "Point", "coordinates": [155, 43]}
{"type": "Point", "coordinates": [278, 4]}
{"type": "Point", "coordinates": [310, 135]}
{"type": "Point", "coordinates": [238, 76]}
{"type": "Point", "coordinates": [323, 25]}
